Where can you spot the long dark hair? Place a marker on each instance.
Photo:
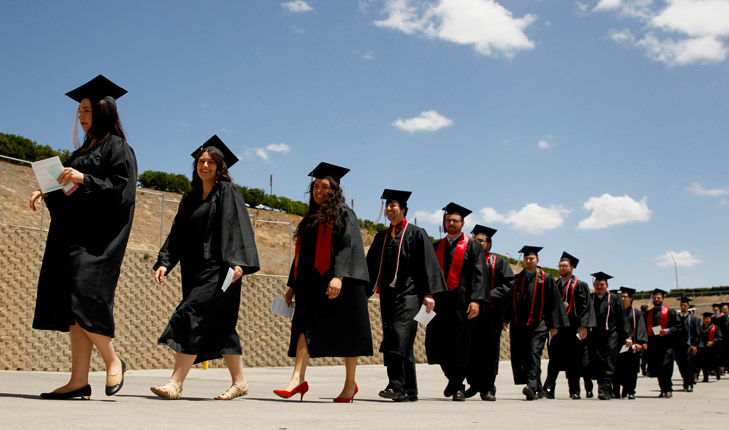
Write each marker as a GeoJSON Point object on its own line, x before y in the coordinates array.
{"type": "Point", "coordinates": [104, 122]}
{"type": "Point", "coordinates": [221, 172]}
{"type": "Point", "coordinates": [327, 213]}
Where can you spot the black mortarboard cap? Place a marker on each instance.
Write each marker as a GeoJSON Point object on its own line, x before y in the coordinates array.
{"type": "Point", "coordinates": [329, 171]}
{"type": "Point", "coordinates": [97, 89]}
{"type": "Point", "coordinates": [725, 304]}
{"type": "Point", "coordinates": [601, 276]}
{"type": "Point", "coordinates": [659, 291]}
{"type": "Point", "coordinates": [456, 209]}
{"type": "Point", "coordinates": [218, 144]}
{"type": "Point", "coordinates": [572, 259]}
{"type": "Point", "coordinates": [685, 299]}
{"type": "Point", "coordinates": [716, 305]}
{"type": "Point", "coordinates": [628, 291]}
{"type": "Point", "coordinates": [707, 314]}
{"type": "Point", "coordinates": [396, 196]}
{"type": "Point", "coordinates": [529, 250]}
{"type": "Point", "coordinates": [482, 229]}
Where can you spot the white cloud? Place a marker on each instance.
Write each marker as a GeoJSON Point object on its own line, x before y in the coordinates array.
{"type": "Point", "coordinates": [261, 153]}
{"type": "Point", "coordinates": [724, 201]}
{"type": "Point", "coordinates": [265, 153]}
{"type": "Point", "coordinates": [683, 259]}
{"type": "Point", "coordinates": [427, 121]}
{"type": "Point", "coordinates": [544, 144]}
{"type": "Point", "coordinates": [435, 217]}
{"type": "Point", "coordinates": [608, 210]}
{"type": "Point", "coordinates": [484, 24]}
{"type": "Point", "coordinates": [278, 147]}
{"type": "Point", "coordinates": [675, 32]}
{"type": "Point", "coordinates": [532, 218]}
{"type": "Point", "coordinates": [297, 6]}
{"type": "Point", "coordinates": [582, 7]}
{"type": "Point", "coordinates": [366, 54]}
{"type": "Point", "coordinates": [699, 190]}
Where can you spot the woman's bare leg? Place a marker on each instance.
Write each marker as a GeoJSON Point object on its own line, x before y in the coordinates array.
{"type": "Point", "coordinates": [302, 360]}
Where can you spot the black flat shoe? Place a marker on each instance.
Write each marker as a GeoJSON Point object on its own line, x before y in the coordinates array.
{"type": "Point", "coordinates": [459, 396]}
{"type": "Point", "coordinates": [488, 396]}
{"type": "Point", "coordinates": [389, 393]}
{"type": "Point", "coordinates": [575, 396]}
{"type": "Point", "coordinates": [113, 389]}
{"type": "Point", "coordinates": [528, 392]}
{"type": "Point", "coordinates": [589, 394]}
{"type": "Point", "coordinates": [83, 392]}
{"type": "Point", "coordinates": [631, 396]}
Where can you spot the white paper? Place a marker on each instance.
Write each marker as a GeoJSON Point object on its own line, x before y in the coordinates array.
{"type": "Point", "coordinates": [280, 307]}
{"type": "Point", "coordinates": [47, 172]}
{"type": "Point", "coordinates": [578, 336]}
{"type": "Point", "coordinates": [424, 318]}
{"type": "Point", "coordinates": [656, 329]}
{"type": "Point", "coordinates": [228, 279]}
{"type": "Point", "coordinates": [625, 348]}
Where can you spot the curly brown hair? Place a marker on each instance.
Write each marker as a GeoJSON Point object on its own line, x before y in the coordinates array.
{"type": "Point", "coordinates": [327, 213]}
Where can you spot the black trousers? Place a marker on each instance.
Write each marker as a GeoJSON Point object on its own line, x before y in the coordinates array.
{"type": "Point", "coordinates": [483, 364]}
{"type": "Point", "coordinates": [566, 352]}
{"type": "Point", "coordinates": [686, 365]}
{"type": "Point", "coordinates": [709, 360]}
{"type": "Point", "coordinates": [527, 344]}
{"type": "Point", "coordinates": [626, 373]}
{"type": "Point", "coordinates": [401, 373]}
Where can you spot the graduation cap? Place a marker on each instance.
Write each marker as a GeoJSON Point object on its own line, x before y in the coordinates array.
{"type": "Point", "coordinates": [456, 209]}
{"type": "Point", "coordinates": [216, 143]}
{"type": "Point", "coordinates": [685, 299]}
{"type": "Point", "coordinates": [724, 304]}
{"type": "Point", "coordinates": [659, 291]}
{"type": "Point", "coordinates": [707, 314]}
{"type": "Point", "coordinates": [572, 259]}
{"type": "Point", "coordinates": [530, 250]}
{"type": "Point", "coordinates": [479, 229]}
{"type": "Point", "coordinates": [401, 197]}
{"type": "Point", "coordinates": [601, 276]}
{"type": "Point", "coordinates": [96, 89]}
{"type": "Point", "coordinates": [329, 171]}
{"type": "Point", "coordinates": [716, 305]}
{"type": "Point", "coordinates": [628, 291]}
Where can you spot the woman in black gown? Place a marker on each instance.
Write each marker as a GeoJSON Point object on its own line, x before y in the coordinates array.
{"type": "Point", "coordinates": [211, 235]}
{"type": "Point", "coordinates": [328, 278]}
{"type": "Point", "coordinates": [87, 239]}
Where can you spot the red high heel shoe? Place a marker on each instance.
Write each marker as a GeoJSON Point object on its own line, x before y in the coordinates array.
{"type": "Point", "coordinates": [301, 388]}
{"type": "Point", "coordinates": [347, 399]}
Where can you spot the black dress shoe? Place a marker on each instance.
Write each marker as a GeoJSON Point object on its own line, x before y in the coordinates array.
{"type": "Point", "coordinates": [411, 397]}
{"type": "Point", "coordinates": [113, 389]}
{"type": "Point", "coordinates": [470, 392]}
{"type": "Point", "coordinates": [589, 395]}
{"type": "Point", "coordinates": [631, 396]}
{"type": "Point", "coordinates": [389, 393]}
{"type": "Point", "coordinates": [488, 396]}
{"type": "Point", "coordinates": [660, 396]}
{"type": "Point", "coordinates": [528, 392]}
{"type": "Point", "coordinates": [575, 396]}
{"type": "Point", "coordinates": [603, 396]}
{"type": "Point", "coordinates": [448, 392]}
{"type": "Point", "coordinates": [548, 393]}
{"type": "Point", "coordinates": [690, 389]}
{"type": "Point", "coordinates": [668, 394]}
{"type": "Point", "coordinates": [459, 396]}
{"type": "Point", "coordinates": [83, 392]}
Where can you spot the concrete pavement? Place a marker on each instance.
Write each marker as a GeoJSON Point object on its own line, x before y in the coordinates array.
{"type": "Point", "coordinates": [136, 407]}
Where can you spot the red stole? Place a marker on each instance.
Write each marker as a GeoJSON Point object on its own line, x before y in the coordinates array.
{"type": "Point", "coordinates": [520, 294]}
{"type": "Point", "coordinates": [403, 225]}
{"type": "Point", "coordinates": [664, 319]}
{"type": "Point", "coordinates": [323, 255]}
{"type": "Point", "coordinates": [453, 277]}
{"type": "Point", "coordinates": [569, 293]}
{"type": "Point", "coordinates": [712, 331]}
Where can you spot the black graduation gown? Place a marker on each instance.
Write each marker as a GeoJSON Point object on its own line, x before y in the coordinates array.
{"type": "Point", "coordinates": [208, 237]}
{"type": "Point", "coordinates": [565, 349]}
{"type": "Point", "coordinates": [606, 339]}
{"type": "Point", "coordinates": [337, 327]}
{"type": "Point", "coordinates": [418, 275]}
{"type": "Point", "coordinates": [626, 371]}
{"type": "Point", "coordinates": [709, 355]}
{"type": "Point", "coordinates": [531, 313]}
{"type": "Point", "coordinates": [483, 365]}
{"type": "Point", "coordinates": [86, 241]}
{"type": "Point", "coordinates": [448, 335]}
{"type": "Point", "coordinates": [661, 352]}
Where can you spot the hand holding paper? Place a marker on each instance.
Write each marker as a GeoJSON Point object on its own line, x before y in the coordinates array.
{"type": "Point", "coordinates": [280, 307]}
{"type": "Point", "coordinates": [424, 317]}
{"type": "Point", "coordinates": [47, 173]}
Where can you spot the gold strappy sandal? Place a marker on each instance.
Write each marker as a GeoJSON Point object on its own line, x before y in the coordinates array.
{"type": "Point", "coordinates": [234, 391]}
{"type": "Point", "coordinates": [167, 391]}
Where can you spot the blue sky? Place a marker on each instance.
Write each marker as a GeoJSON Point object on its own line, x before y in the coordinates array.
{"type": "Point", "coordinates": [595, 127]}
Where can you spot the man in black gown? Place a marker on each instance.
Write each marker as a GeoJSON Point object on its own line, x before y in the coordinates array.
{"type": "Point", "coordinates": [723, 324]}
{"type": "Point", "coordinates": [534, 311]}
{"type": "Point", "coordinates": [405, 273]}
{"type": "Point", "coordinates": [567, 350]}
{"type": "Point", "coordinates": [687, 342]}
{"type": "Point", "coordinates": [626, 372]}
{"type": "Point", "coordinates": [448, 336]}
{"type": "Point", "coordinates": [710, 340]}
{"type": "Point", "coordinates": [607, 337]}
{"type": "Point", "coordinates": [483, 366]}
{"type": "Point", "coordinates": [662, 324]}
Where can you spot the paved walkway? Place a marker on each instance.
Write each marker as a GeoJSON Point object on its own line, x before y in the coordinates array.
{"type": "Point", "coordinates": [136, 407]}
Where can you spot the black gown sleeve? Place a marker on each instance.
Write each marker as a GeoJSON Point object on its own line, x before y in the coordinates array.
{"type": "Point", "coordinates": [641, 333]}
{"type": "Point", "coordinates": [621, 320]}
{"type": "Point", "coordinates": [121, 165]}
{"type": "Point", "coordinates": [555, 314]}
{"type": "Point", "coordinates": [430, 278]}
{"type": "Point", "coordinates": [374, 258]}
{"type": "Point", "coordinates": [237, 241]}
{"type": "Point", "coordinates": [170, 253]}
{"type": "Point", "coordinates": [480, 283]}
{"type": "Point", "coordinates": [504, 281]}
{"type": "Point", "coordinates": [586, 311]}
{"type": "Point", "coordinates": [348, 251]}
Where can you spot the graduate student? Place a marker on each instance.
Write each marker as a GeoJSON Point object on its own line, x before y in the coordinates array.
{"type": "Point", "coordinates": [448, 336]}
{"type": "Point", "coordinates": [534, 312]}
{"type": "Point", "coordinates": [567, 351]}
{"type": "Point", "coordinates": [710, 341]}
{"type": "Point", "coordinates": [87, 239]}
{"type": "Point", "coordinates": [626, 371]}
{"type": "Point", "coordinates": [328, 279]}
{"type": "Point", "coordinates": [483, 365]}
{"type": "Point", "coordinates": [608, 336]}
{"type": "Point", "coordinates": [661, 323]}
{"type": "Point", "coordinates": [211, 235]}
{"type": "Point", "coordinates": [405, 273]}
{"type": "Point", "coordinates": [687, 341]}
